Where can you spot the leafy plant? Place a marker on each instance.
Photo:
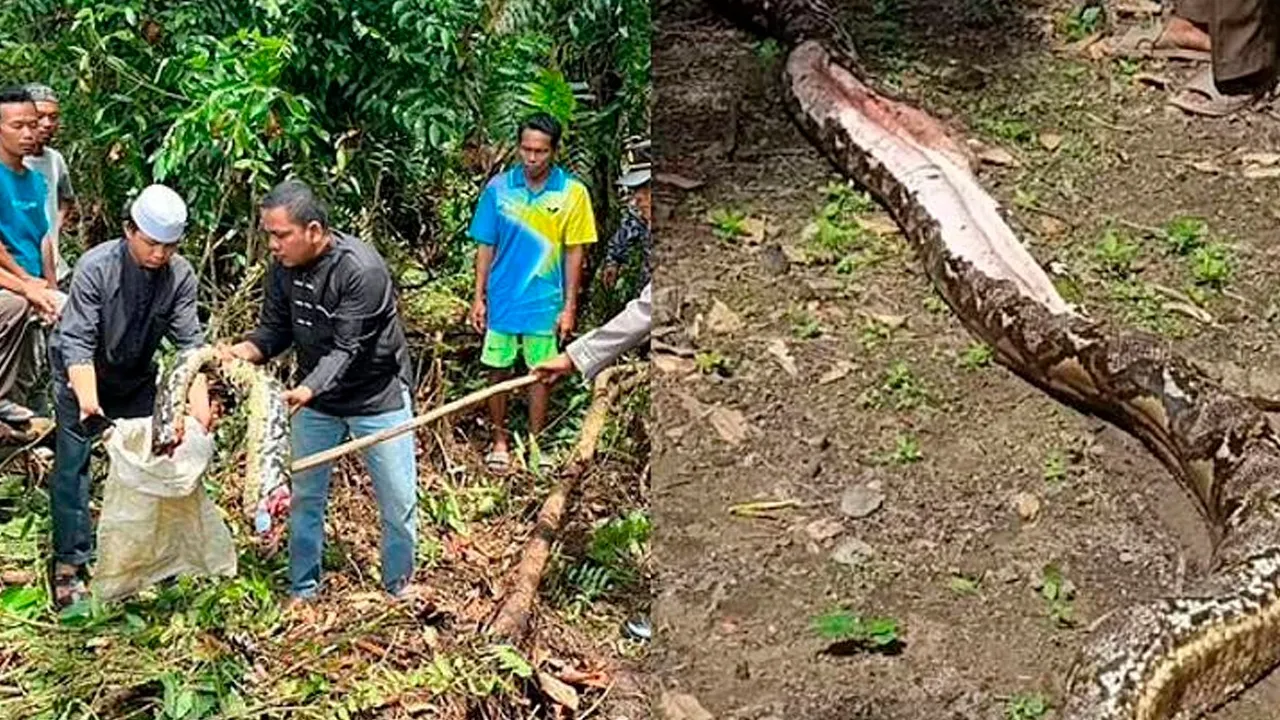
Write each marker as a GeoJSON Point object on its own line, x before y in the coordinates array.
{"type": "Point", "coordinates": [711, 361]}
{"type": "Point", "coordinates": [1082, 21]}
{"type": "Point", "coordinates": [1115, 253]}
{"type": "Point", "coordinates": [844, 627]}
{"type": "Point", "coordinates": [1185, 234]}
{"type": "Point", "coordinates": [1211, 266]}
{"type": "Point", "coordinates": [976, 355]}
{"type": "Point", "coordinates": [728, 224]}
{"type": "Point", "coordinates": [906, 450]}
{"type": "Point", "coordinates": [1058, 593]}
{"type": "Point", "coordinates": [1055, 468]}
{"type": "Point", "coordinates": [1026, 706]}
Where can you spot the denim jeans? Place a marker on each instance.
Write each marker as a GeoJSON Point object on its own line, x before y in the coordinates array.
{"type": "Point", "coordinates": [394, 470]}
{"type": "Point", "coordinates": [69, 484]}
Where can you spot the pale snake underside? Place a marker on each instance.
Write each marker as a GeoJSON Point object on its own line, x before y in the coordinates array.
{"type": "Point", "coordinates": [267, 450]}
{"type": "Point", "coordinates": [1176, 657]}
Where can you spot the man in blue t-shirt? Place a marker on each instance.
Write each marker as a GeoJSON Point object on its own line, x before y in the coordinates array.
{"type": "Point", "coordinates": [532, 224]}
{"type": "Point", "coordinates": [26, 280]}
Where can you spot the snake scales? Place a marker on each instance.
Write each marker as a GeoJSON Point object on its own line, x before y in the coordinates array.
{"type": "Point", "coordinates": [1176, 657]}
{"type": "Point", "coordinates": [267, 454]}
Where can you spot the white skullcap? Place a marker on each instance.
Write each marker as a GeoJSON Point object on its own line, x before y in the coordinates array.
{"type": "Point", "coordinates": [160, 214]}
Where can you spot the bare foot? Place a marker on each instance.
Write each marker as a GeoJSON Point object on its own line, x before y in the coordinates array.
{"type": "Point", "coordinates": [1180, 33]}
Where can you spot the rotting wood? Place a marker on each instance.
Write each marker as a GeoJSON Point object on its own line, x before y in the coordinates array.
{"type": "Point", "coordinates": [511, 621]}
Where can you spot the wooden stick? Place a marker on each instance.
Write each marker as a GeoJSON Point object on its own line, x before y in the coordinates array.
{"type": "Point", "coordinates": [512, 618]}
{"type": "Point", "coordinates": [461, 403]}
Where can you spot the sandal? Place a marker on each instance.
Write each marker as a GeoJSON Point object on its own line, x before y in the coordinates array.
{"type": "Point", "coordinates": [1200, 96]}
{"type": "Point", "coordinates": [1139, 43]}
{"type": "Point", "coordinates": [497, 461]}
{"type": "Point", "coordinates": [68, 588]}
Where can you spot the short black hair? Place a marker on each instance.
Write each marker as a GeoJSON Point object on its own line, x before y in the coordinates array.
{"type": "Point", "coordinates": [302, 203]}
{"type": "Point", "coordinates": [15, 94]}
{"type": "Point", "coordinates": [543, 123]}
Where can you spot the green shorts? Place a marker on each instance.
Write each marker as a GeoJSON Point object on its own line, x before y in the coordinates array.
{"type": "Point", "coordinates": [500, 349]}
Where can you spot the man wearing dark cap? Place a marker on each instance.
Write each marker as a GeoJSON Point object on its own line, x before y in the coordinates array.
{"type": "Point", "coordinates": [126, 295]}
{"type": "Point", "coordinates": [634, 230]}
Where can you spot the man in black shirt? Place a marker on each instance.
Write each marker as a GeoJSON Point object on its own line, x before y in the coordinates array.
{"type": "Point", "coordinates": [329, 296]}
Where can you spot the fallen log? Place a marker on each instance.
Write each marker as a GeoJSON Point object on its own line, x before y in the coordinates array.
{"type": "Point", "coordinates": [511, 621]}
{"type": "Point", "coordinates": [1176, 657]}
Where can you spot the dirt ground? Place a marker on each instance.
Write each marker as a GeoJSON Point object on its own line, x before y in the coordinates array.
{"type": "Point", "coordinates": [983, 479]}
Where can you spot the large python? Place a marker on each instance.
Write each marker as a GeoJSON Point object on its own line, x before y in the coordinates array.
{"type": "Point", "coordinates": [1169, 658]}
{"type": "Point", "coordinates": [267, 454]}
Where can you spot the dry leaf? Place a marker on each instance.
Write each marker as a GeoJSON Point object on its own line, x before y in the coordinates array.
{"type": "Point", "coordinates": [729, 423]}
{"type": "Point", "coordinates": [595, 678]}
{"type": "Point", "coordinates": [1260, 173]}
{"type": "Point", "coordinates": [679, 706]}
{"type": "Point", "coordinates": [1260, 158]}
{"type": "Point", "coordinates": [679, 181]}
{"type": "Point", "coordinates": [1051, 227]}
{"type": "Point", "coordinates": [778, 349]}
{"type": "Point", "coordinates": [993, 155]}
{"type": "Point", "coordinates": [893, 322]}
{"type": "Point", "coordinates": [672, 364]}
{"type": "Point", "coordinates": [823, 529]}
{"type": "Point", "coordinates": [692, 405]}
{"type": "Point", "coordinates": [1050, 141]}
{"type": "Point", "coordinates": [841, 369]}
{"type": "Point", "coordinates": [881, 225]}
{"type": "Point", "coordinates": [753, 231]}
{"type": "Point", "coordinates": [1137, 7]}
{"type": "Point", "coordinates": [1206, 166]}
{"type": "Point", "coordinates": [557, 690]}
{"type": "Point", "coordinates": [723, 320]}
{"type": "Point", "coordinates": [1158, 81]}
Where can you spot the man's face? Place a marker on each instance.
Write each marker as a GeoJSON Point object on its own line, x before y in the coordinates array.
{"type": "Point", "coordinates": [146, 252]}
{"type": "Point", "coordinates": [19, 128]}
{"type": "Point", "coordinates": [643, 201]}
{"type": "Point", "coordinates": [291, 243]}
{"type": "Point", "coordinates": [535, 152]}
{"type": "Point", "coordinates": [50, 120]}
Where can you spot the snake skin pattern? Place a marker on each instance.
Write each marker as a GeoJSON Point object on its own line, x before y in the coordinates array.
{"type": "Point", "coordinates": [1168, 659]}
{"type": "Point", "coordinates": [267, 453]}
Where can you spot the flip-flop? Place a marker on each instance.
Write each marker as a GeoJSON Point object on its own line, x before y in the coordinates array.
{"type": "Point", "coordinates": [497, 461]}
{"type": "Point", "coordinates": [1140, 43]}
{"type": "Point", "coordinates": [1200, 96]}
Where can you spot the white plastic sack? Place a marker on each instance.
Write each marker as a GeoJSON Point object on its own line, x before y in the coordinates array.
{"type": "Point", "coordinates": [157, 521]}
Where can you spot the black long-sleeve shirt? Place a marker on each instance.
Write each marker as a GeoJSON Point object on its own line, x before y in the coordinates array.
{"type": "Point", "coordinates": [114, 319]}
{"type": "Point", "coordinates": [339, 313]}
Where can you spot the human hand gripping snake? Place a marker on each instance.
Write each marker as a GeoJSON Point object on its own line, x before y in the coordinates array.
{"type": "Point", "coordinates": [265, 497]}
{"type": "Point", "coordinates": [1172, 658]}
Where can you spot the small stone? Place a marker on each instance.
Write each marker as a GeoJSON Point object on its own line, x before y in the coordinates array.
{"type": "Point", "coordinates": [823, 529]}
{"type": "Point", "coordinates": [1127, 557]}
{"type": "Point", "coordinates": [1008, 574]}
{"type": "Point", "coordinates": [679, 706]}
{"type": "Point", "coordinates": [774, 260]}
{"type": "Point", "coordinates": [1027, 505]}
{"type": "Point", "coordinates": [853, 553]}
{"type": "Point", "coordinates": [860, 501]}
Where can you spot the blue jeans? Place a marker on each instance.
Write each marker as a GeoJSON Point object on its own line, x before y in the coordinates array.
{"type": "Point", "coordinates": [73, 538]}
{"type": "Point", "coordinates": [395, 485]}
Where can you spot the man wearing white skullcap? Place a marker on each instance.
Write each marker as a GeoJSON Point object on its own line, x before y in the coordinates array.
{"type": "Point", "coordinates": [125, 295]}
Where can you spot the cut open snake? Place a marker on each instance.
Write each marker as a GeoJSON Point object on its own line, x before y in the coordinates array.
{"type": "Point", "coordinates": [1176, 657]}
{"type": "Point", "coordinates": [267, 450]}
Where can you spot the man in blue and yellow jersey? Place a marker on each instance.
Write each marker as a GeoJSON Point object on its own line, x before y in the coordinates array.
{"type": "Point", "coordinates": [532, 223]}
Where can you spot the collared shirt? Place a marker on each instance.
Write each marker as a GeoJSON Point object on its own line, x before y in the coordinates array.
{"type": "Point", "coordinates": [631, 231]}
{"type": "Point", "coordinates": [116, 315]}
{"type": "Point", "coordinates": [339, 314]}
{"type": "Point", "coordinates": [529, 231]}
{"type": "Point", "coordinates": [57, 179]}
{"type": "Point", "coordinates": [23, 223]}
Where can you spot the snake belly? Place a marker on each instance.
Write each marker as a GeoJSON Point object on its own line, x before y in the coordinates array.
{"type": "Point", "coordinates": [1174, 658]}
{"type": "Point", "coordinates": [267, 448]}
